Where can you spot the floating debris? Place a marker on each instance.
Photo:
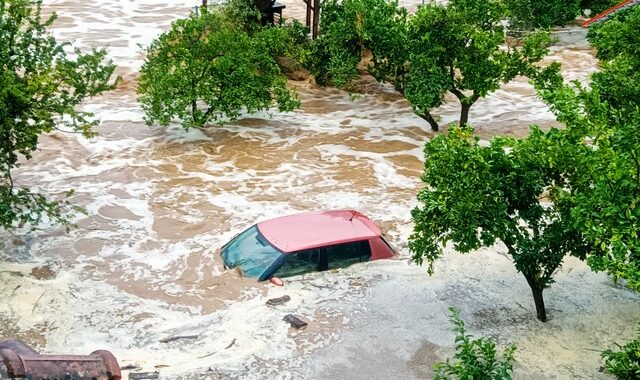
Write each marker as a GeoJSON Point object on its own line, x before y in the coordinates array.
{"type": "Point", "coordinates": [144, 376]}
{"type": "Point", "coordinates": [174, 338]}
{"type": "Point", "coordinates": [278, 301]}
{"type": "Point", "coordinates": [295, 321]}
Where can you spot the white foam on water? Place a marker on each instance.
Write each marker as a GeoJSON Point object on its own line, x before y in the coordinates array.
{"type": "Point", "coordinates": [158, 198]}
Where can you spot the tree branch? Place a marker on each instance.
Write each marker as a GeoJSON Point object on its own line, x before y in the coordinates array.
{"type": "Point", "coordinates": [634, 155]}
{"type": "Point", "coordinates": [426, 115]}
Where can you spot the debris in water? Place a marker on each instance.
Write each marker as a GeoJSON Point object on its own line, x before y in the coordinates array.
{"type": "Point", "coordinates": [278, 301]}
{"type": "Point", "coordinates": [44, 272]}
{"type": "Point", "coordinates": [231, 344]}
{"type": "Point", "coordinates": [38, 300]}
{"type": "Point", "coordinates": [174, 338]}
{"type": "Point", "coordinates": [295, 321]}
{"type": "Point", "coordinates": [130, 367]}
{"type": "Point", "coordinates": [144, 375]}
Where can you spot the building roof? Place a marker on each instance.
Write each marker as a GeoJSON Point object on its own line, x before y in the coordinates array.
{"type": "Point", "coordinates": [316, 229]}
{"type": "Point", "coordinates": [608, 12]}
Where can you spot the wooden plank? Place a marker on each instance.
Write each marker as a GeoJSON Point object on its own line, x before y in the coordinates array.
{"type": "Point", "coordinates": [295, 321]}
{"type": "Point", "coordinates": [278, 301]}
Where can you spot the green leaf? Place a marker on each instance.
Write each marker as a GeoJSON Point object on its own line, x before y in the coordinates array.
{"type": "Point", "coordinates": [40, 89]}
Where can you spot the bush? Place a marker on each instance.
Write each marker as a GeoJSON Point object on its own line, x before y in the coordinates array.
{"type": "Point", "coordinates": [533, 14]}
{"type": "Point", "coordinates": [624, 364]}
{"type": "Point", "coordinates": [475, 359]}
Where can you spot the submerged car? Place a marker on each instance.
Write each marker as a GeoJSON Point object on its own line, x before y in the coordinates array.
{"type": "Point", "coordinates": [306, 242]}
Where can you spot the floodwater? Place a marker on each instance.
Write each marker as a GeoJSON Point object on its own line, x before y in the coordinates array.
{"type": "Point", "coordinates": [142, 266]}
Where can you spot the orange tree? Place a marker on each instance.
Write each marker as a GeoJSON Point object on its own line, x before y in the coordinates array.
{"type": "Point", "coordinates": [510, 191]}
{"type": "Point", "coordinates": [531, 14]}
{"type": "Point", "coordinates": [605, 117]}
{"type": "Point", "coordinates": [40, 87]}
{"type": "Point", "coordinates": [212, 67]}
{"type": "Point", "coordinates": [571, 191]}
{"type": "Point", "coordinates": [460, 48]}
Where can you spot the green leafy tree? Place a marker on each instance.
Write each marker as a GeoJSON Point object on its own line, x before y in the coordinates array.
{"type": "Point", "coordinates": [532, 14]}
{"type": "Point", "coordinates": [460, 48]}
{"type": "Point", "coordinates": [209, 68]}
{"type": "Point", "coordinates": [40, 87]}
{"type": "Point", "coordinates": [603, 125]}
{"type": "Point", "coordinates": [475, 359]}
{"type": "Point", "coordinates": [509, 191]}
{"type": "Point", "coordinates": [625, 363]}
{"type": "Point", "coordinates": [606, 187]}
{"type": "Point", "coordinates": [597, 6]}
{"type": "Point", "coordinates": [617, 44]}
{"type": "Point", "coordinates": [347, 29]}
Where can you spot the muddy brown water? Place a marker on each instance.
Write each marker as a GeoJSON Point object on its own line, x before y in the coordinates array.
{"type": "Point", "coordinates": [160, 202]}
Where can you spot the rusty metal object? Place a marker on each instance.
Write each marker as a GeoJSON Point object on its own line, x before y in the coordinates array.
{"type": "Point", "coordinates": [19, 361]}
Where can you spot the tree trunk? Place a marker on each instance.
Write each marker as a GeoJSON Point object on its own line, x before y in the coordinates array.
{"type": "Point", "coordinates": [539, 301]}
{"type": "Point", "coordinates": [194, 108]}
{"type": "Point", "coordinates": [204, 3]}
{"type": "Point", "coordinates": [432, 122]}
{"type": "Point", "coordinates": [464, 114]}
{"type": "Point", "coordinates": [537, 290]}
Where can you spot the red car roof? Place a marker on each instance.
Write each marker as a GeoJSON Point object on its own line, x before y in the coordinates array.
{"type": "Point", "coordinates": [316, 229]}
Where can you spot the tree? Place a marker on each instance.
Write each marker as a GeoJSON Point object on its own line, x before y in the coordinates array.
{"type": "Point", "coordinates": [532, 14]}
{"type": "Point", "coordinates": [605, 189]}
{"type": "Point", "coordinates": [603, 122]}
{"type": "Point", "coordinates": [509, 191]}
{"type": "Point", "coordinates": [597, 6]}
{"type": "Point", "coordinates": [617, 44]}
{"type": "Point", "coordinates": [347, 29]}
{"type": "Point", "coordinates": [624, 364]}
{"type": "Point", "coordinates": [475, 359]}
{"type": "Point", "coordinates": [40, 86]}
{"type": "Point", "coordinates": [209, 68]}
{"type": "Point", "coordinates": [460, 48]}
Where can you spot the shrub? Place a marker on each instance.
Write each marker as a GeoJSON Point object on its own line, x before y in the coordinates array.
{"type": "Point", "coordinates": [624, 364]}
{"type": "Point", "coordinates": [475, 359]}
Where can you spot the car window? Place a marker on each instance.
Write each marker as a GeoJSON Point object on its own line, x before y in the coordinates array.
{"type": "Point", "coordinates": [343, 255]}
{"type": "Point", "coordinates": [251, 252]}
{"type": "Point", "coordinates": [324, 258]}
{"type": "Point", "coordinates": [299, 263]}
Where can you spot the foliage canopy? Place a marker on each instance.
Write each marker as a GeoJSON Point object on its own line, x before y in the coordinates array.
{"type": "Point", "coordinates": [617, 45]}
{"type": "Point", "coordinates": [40, 86]}
{"type": "Point", "coordinates": [603, 124]}
{"type": "Point", "coordinates": [597, 6]}
{"type": "Point", "coordinates": [213, 66]}
{"type": "Point", "coordinates": [509, 191]}
{"type": "Point", "coordinates": [573, 191]}
{"type": "Point", "coordinates": [458, 48]}
{"type": "Point", "coordinates": [532, 14]}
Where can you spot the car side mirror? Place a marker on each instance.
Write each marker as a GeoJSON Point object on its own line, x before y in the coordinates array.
{"type": "Point", "coordinates": [276, 281]}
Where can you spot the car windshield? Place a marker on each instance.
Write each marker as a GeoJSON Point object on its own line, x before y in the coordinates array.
{"type": "Point", "coordinates": [250, 252]}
